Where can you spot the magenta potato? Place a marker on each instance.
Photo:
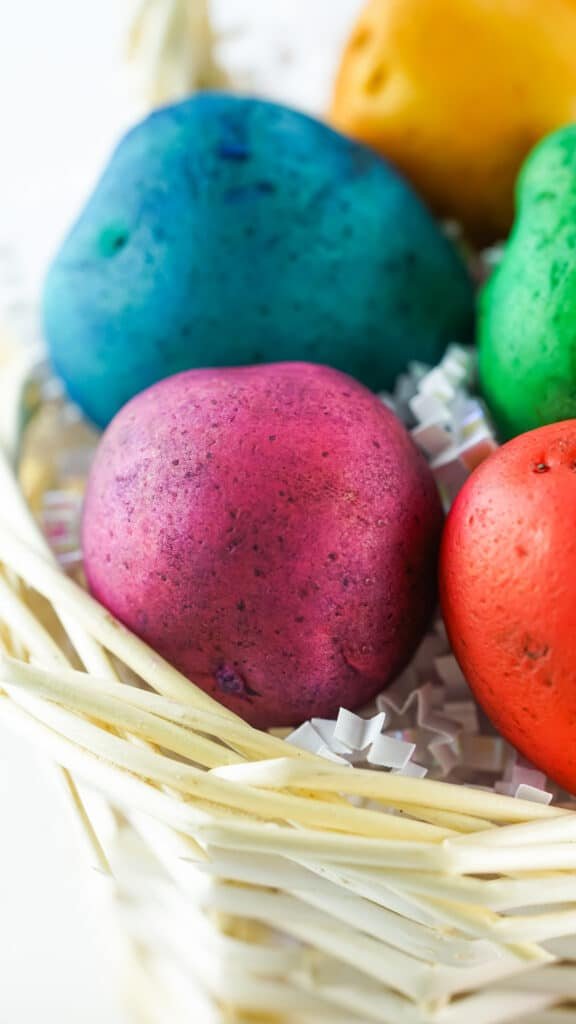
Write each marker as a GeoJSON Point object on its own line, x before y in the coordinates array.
{"type": "Point", "coordinates": [272, 531]}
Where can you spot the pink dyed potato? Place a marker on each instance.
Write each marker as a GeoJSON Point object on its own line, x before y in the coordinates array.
{"type": "Point", "coordinates": [271, 530]}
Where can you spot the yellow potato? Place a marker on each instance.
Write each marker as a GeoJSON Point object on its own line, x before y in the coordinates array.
{"type": "Point", "coordinates": [456, 92]}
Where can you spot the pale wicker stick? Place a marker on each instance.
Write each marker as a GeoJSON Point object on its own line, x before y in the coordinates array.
{"type": "Point", "coordinates": [268, 960]}
{"type": "Point", "coordinates": [175, 44]}
{"type": "Point", "coordinates": [416, 856]}
{"type": "Point", "coordinates": [484, 1008]}
{"type": "Point", "coordinates": [413, 978]}
{"type": "Point", "coordinates": [68, 788]}
{"type": "Point", "coordinates": [167, 680]}
{"type": "Point", "coordinates": [199, 974]}
{"type": "Point", "coordinates": [13, 586]}
{"type": "Point", "coordinates": [138, 724]}
{"type": "Point", "coordinates": [135, 794]}
{"type": "Point", "coordinates": [151, 667]}
{"type": "Point", "coordinates": [482, 923]}
{"type": "Point", "coordinates": [453, 820]}
{"type": "Point", "coordinates": [562, 830]}
{"type": "Point", "coordinates": [122, 716]}
{"type": "Point", "coordinates": [358, 881]}
{"type": "Point", "coordinates": [422, 941]}
{"type": "Point", "coordinates": [188, 780]}
{"type": "Point", "coordinates": [404, 857]}
{"type": "Point", "coordinates": [496, 894]}
{"type": "Point", "coordinates": [100, 699]}
{"type": "Point", "coordinates": [84, 821]}
{"type": "Point", "coordinates": [24, 624]}
{"type": "Point", "coordinates": [487, 1007]}
{"type": "Point", "coordinates": [515, 860]}
{"type": "Point", "coordinates": [126, 790]}
{"type": "Point", "coordinates": [219, 971]}
{"type": "Point", "coordinates": [201, 785]}
{"type": "Point", "coordinates": [540, 927]}
{"type": "Point", "coordinates": [90, 651]}
{"type": "Point", "coordinates": [468, 920]}
{"type": "Point", "coordinates": [552, 980]}
{"type": "Point", "coordinates": [371, 921]}
{"type": "Point", "coordinates": [475, 922]}
{"type": "Point", "coordinates": [16, 400]}
{"type": "Point", "coordinates": [98, 623]}
{"type": "Point", "coordinates": [60, 685]}
{"type": "Point", "coordinates": [388, 889]}
{"type": "Point", "coordinates": [359, 997]}
{"type": "Point", "coordinates": [17, 517]}
{"type": "Point", "coordinates": [41, 645]}
{"type": "Point", "coordinates": [274, 871]}
{"type": "Point", "coordinates": [377, 1018]}
{"type": "Point", "coordinates": [175, 851]}
{"type": "Point", "coordinates": [331, 847]}
{"type": "Point", "coordinates": [394, 790]}
{"type": "Point", "coordinates": [268, 906]}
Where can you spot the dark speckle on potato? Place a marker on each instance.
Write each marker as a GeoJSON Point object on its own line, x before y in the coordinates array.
{"type": "Point", "coordinates": [325, 592]}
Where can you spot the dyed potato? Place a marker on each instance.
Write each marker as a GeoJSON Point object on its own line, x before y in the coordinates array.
{"type": "Point", "coordinates": [456, 93]}
{"type": "Point", "coordinates": [508, 582]}
{"type": "Point", "coordinates": [272, 531]}
{"type": "Point", "coordinates": [527, 334]}
{"type": "Point", "coordinates": [231, 231]}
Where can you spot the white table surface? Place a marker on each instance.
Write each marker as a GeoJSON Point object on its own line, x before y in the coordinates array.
{"type": "Point", "coordinates": [62, 106]}
{"type": "Point", "coordinates": [57, 957]}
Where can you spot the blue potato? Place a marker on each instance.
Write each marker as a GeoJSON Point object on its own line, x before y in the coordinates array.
{"type": "Point", "coordinates": [229, 231]}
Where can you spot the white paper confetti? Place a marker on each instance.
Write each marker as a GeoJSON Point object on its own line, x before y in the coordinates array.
{"type": "Point", "coordinates": [451, 425]}
{"type": "Point", "coordinates": [411, 770]}
{"type": "Point", "coordinates": [305, 737]}
{"type": "Point", "coordinates": [330, 755]}
{"type": "Point", "coordinates": [538, 796]}
{"type": "Point", "coordinates": [387, 752]}
{"type": "Point", "coordinates": [326, 728]}
{"type": "Point", "coordinates": [358, 733]}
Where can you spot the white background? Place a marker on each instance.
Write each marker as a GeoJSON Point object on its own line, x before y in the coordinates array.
{"type": "Point", "coordinates": [63, 102]}
{"type": "Point", "coordinates": [65, 95]}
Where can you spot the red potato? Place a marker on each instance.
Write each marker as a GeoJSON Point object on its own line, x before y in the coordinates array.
{"type": "Point", "coordinates": [271, 530]}
{"type": "Point", "coordinates": [508, 584]}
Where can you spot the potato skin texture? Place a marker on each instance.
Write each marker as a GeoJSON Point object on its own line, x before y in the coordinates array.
{"type": "Point", "coordinates": [272, 531]}
{"type": "Point", "coordinates": [527, 339]}
{"type": "Point", "coordinates": [508, 590]}
{"type": "Point", "coordinates": [456, 93]}
{"type": "Point", "coordinates": [229, 231]}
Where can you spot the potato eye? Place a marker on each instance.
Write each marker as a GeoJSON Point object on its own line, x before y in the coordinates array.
{"type": "Point", "coordinates": [112, 240]}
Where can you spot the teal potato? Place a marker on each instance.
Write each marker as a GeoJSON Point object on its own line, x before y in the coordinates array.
{"type": "Point", "coordinates": [527, 327]}
{"type": "Point", "coordinates": [233, 231]}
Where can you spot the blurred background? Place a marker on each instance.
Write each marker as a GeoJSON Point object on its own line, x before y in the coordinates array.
{"type": "Point", "coordinates": [66, 94]}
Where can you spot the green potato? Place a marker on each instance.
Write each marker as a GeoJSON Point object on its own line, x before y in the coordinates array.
{"type": "Point", "coordinates": [527, 326]}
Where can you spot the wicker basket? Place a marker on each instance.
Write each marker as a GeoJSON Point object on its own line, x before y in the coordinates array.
{"type": "Point", "coordinates": [257, 882]}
